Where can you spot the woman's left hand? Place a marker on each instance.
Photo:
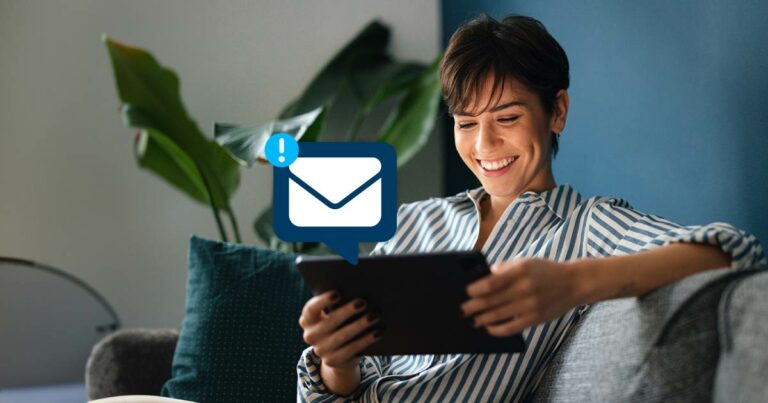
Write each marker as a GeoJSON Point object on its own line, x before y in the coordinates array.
{"type": "Point", "coordinates": [521, 293]}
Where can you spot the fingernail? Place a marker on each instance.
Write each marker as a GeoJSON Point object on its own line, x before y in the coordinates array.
{"type": "Point", "coordinates": [475, 324]}
{"type": "Point", "coordinates": [377, 334]}
{"type": "Point", "coordinates": [359, 303]}
{"type": "Point", "coordinates": [372, 317]}
{"type": "Point", "coordinates": [334, 296]}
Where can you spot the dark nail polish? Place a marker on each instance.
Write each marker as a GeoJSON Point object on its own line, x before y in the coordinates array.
{"type": "Point", "coordinates": [335, 296]}
{"type": "Point", "coordinates": [359, 303]}
{"type": "Point", "coordinates": [372, 317]}
{"type": "Point", "coordinates": [378, 333]}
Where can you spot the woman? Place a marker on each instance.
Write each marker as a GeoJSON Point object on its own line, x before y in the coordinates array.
{"type": "Point", "coordinates": [552, 252]}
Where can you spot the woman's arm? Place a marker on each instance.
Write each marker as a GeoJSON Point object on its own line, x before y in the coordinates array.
{"type": "Point", "coordinates": [340, 381]}
{"type": "Point", "coordinates": [629, 253]}
{"type": "Point", "coordinates": [334, 345]}
{"type": "Point", "coordinates": [525, 292]}
{"type": "Point", "coordinates": [637, 274]}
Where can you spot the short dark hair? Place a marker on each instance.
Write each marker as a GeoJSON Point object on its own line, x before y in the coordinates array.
{"type": "Point", "coordinates": [518, 47]}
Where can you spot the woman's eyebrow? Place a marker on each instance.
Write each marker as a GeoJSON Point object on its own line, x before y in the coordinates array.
{"type": "Point", "coordinates": [496, 108]}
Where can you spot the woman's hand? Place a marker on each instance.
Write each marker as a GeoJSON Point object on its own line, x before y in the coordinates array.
{"type": "Point", "coordinates": [331, 341]}
{"type": "Point", "coordinates": [521, 293]}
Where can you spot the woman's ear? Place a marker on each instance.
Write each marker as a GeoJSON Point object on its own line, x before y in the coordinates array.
{"type": "Point", "coordinates": [560, 111]}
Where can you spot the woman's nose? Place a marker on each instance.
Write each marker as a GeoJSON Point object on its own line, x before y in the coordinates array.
{"type": "Point", "coordinates": [487, 140]}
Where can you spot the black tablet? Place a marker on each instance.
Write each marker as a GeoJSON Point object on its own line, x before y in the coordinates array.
{"type": "Point", "coordinates": [418, 297]}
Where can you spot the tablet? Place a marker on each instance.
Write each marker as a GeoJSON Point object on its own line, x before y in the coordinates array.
{"type": "Point", "coordinates": [418, 297]}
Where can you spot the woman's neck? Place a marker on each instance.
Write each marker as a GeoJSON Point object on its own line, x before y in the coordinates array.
{"type": "Point", "coordinates": [493, 207]}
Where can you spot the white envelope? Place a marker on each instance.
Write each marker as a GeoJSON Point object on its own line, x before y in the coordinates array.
{"type": "Point", "coordinates": [335, 179]}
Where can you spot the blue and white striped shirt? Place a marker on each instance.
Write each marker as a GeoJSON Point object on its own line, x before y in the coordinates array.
{"type": "Point", "coordinates": [557, 225]}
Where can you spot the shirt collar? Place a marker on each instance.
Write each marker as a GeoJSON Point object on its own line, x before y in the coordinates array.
{"type": "Point", "coordinates": [560, 199]}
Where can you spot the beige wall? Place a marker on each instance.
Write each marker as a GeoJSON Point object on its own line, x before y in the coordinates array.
{"type": "Point", "coordinates": [71, 194]}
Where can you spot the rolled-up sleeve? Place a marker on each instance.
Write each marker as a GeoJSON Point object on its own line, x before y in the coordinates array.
{"type": "Point", "coordinates": [615, 229]}
{"type": "Point", "coordinates": [312, 388]}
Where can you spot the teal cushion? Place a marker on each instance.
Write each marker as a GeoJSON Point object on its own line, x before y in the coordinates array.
{"type": "Point", "coordinates": [240, 340]}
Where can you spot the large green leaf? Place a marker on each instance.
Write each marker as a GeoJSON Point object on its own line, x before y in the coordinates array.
{"type": "Point", "coordinates": [157, 153]}
{"type": "Point", "coordinates": [367, 50]}
{"type": "Point", "coordinates": [246, 143]}
{"type": "Point", "coordinates": [409, 126]}
{"type": "Point", "coordinates": [390, 80]}
{"type": "Point", "coordinates": [361, 66]}
{"type": "Point", "coordinates": [152, 103]}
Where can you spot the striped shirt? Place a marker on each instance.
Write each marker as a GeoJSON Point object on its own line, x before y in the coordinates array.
{"type": "Point", "coordinates": [556, 224]}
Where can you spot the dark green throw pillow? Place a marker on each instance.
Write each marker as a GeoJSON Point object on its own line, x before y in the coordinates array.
{"type": "Point", "coordinates": [240, 340]}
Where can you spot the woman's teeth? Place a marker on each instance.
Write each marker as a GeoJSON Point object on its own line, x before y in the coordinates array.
{"type": "Point", "coordinates": [497, 164]}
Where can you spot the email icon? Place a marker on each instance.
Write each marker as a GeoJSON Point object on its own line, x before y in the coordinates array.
{"type": "Point", "coordinates": [337, 193]}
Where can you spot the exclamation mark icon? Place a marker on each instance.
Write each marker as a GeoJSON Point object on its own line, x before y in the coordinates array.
{"type": "Point", "coordinates": [281, 150]}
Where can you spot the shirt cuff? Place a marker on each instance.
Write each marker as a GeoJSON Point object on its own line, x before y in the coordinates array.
{"type": "Point", "coordinates": [743, 249]}
{"type": "Point", "coordinates": [311, 383]}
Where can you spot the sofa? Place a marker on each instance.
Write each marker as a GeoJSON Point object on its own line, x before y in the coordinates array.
{"type": "Point", "coordinates": [703, 338]}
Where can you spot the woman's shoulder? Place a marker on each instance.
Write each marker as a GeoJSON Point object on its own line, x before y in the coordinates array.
{"type": "Point", "coordinates": [432, 204]}
{"type": "Point", "coordinates": [599, 204]}
{"type": "Point", "coordinates": [595, 201]}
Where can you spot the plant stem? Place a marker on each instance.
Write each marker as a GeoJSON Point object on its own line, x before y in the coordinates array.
{"type": "Point", "coordinates": [222, 231]}
{"type": "Point", "coordinates": [219, 224]}
{"type": "Point", "coordinates": [233, 222]}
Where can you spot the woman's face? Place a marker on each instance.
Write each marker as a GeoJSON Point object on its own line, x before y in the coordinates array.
{"type": "Point", "coordinates": [508, 145]}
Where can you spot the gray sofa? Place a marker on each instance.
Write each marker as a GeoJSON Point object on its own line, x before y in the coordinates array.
{"type": "Point", "coordinates": [704, 338]}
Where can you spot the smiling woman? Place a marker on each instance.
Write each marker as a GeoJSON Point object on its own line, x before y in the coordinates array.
{"type": "Point", "coordinates": [509, 100]}
{"type": "Point", "coordinates": [553, 252]}
{"type": "Point", "coordinates": [508, 146]}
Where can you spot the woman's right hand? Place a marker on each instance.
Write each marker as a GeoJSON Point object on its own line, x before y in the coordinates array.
{"type": "Point", "coordinates": [337, 345]}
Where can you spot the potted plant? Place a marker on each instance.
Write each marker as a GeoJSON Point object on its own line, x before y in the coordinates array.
{"type": "Point", "coordinates": [363, 74]}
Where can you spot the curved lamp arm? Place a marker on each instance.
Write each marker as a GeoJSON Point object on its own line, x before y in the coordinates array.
{"type": "Point", "coordinates": [110, 327]}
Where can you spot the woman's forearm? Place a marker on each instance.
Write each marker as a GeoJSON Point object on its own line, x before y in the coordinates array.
{"type": "Point", "coordinates": [631, 275]}
{"type": "Point", "coordinates": [340, 382]}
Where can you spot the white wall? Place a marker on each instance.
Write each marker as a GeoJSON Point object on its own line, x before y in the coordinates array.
{"type": "Point", "coordinates": [71, 193]}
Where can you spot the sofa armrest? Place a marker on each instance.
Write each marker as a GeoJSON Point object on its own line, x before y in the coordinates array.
{"type": "Point", "coordinates": [658, 347]}
{"type": "Point", "coordinates": [130, 362]}
{"type": "Point", "coordinates": [743, 330]}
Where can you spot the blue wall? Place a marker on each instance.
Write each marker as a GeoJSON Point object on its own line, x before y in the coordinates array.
{"type": "Point", "coordinates": [669, 103]}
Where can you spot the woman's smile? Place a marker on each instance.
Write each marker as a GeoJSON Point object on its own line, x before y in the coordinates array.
{"type": "Point", "coordinates": [496, 167]}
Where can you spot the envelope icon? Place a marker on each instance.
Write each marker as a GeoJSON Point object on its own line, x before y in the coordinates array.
{"type": "Point", "coordinates": [334, 192]}
{"type": "Point", "coordinates": [337, 193]}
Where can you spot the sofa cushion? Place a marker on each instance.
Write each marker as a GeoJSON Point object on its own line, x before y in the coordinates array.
{"type": "Point", "coordinates": [240, 339]}
{"type": "Point", "coordinates": [643, 349]}
{"type": "Point", "coordinates": [744, 331]}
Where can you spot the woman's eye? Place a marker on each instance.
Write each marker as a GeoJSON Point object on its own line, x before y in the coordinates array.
{"type": "Point", "coordinates": [508, 119]}
{"type": "Point", "coordinates": [466, 125]}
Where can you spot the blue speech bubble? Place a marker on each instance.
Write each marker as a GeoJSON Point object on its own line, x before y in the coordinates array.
{"type": "Point", "coordinates": [340, 194]}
